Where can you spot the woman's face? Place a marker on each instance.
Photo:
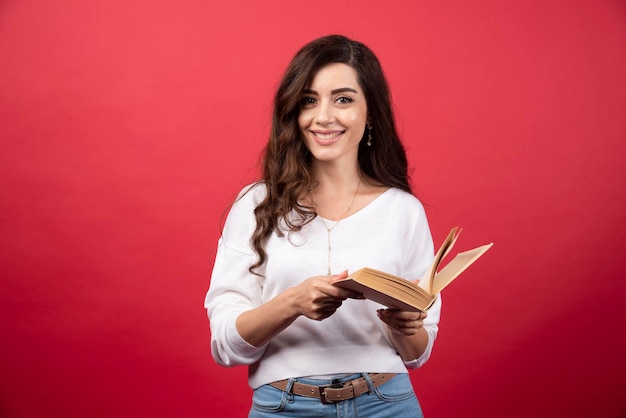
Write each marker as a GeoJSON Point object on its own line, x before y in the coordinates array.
{"type": "Point", "coordinates": [333, 114]}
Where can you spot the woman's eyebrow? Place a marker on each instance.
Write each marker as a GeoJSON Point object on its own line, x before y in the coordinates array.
{"type": "Point", "coordinates": [336, 91]}
{"type": "Point", "coordinates": [343, 90]}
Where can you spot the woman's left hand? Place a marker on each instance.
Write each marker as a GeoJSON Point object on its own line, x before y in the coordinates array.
{"type": "Point", "coordinates": [402, 322]}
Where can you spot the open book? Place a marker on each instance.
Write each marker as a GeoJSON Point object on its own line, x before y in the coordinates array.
{"type": "Point", "coordinates": [406, 295]}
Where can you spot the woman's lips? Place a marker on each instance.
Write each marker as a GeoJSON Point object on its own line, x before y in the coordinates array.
{"type": "Point", "coordinates": [327, 138]}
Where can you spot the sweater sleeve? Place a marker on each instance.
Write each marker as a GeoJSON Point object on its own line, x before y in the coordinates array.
{"type": "Point", "coordinates": [431, 325]}
{"type": "Point", "coordinates": [233, 289]}
{"type": "Point", "coordinates": [419, 256]}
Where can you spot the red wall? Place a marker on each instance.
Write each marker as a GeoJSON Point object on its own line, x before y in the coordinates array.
{"type": "Point", "coordinates": [128, 126]}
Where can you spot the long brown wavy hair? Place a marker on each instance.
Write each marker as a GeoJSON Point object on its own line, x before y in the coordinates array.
{"type": "Point", "coordinates": [287, 170]}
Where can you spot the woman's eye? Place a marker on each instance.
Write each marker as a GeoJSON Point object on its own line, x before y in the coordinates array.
{"type": "Point", "coordinates": [307, 101]}
{"type": "Point", "coordinates": [344, 100]}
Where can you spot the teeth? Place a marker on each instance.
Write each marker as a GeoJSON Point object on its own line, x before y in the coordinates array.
{"type": "Point", "coordinates": [327, 136]}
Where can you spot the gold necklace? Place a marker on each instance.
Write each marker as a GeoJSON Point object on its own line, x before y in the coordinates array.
{"type": "Point", "coordinates": [329, 230]}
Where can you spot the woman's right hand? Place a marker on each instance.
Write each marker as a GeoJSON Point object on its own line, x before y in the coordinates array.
{"type": "Point", "coordinates": [317, 298]}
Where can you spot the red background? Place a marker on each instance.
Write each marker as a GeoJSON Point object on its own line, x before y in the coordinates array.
{"type": "Point", "coordinates": [128, 126]}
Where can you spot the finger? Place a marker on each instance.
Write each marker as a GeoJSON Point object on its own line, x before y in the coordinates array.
{"type": "Point", "coordinates": [335, 277]}
{"type": "Point", "coordinates": [324, 312]}
{"type": "Point", "coordinates": [405, 315]}
{"type": "Point", "coordinates": [400, 320]}
{"type": "Point", "coordinates": [329, 305]}
{"type": "Point", "coordinates": [340, 293]}
{"type": "Point", "coordinates": [400, 315]}
{"type": "Point", "coordinates": [319, 316]}
{"type": "Point", "coordinates": [398, 329]}
{"type": "Point", "coordinates": [350, 294]}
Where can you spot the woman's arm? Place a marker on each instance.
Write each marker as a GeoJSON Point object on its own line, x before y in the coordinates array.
{"type": "Point", "coordinates": [407, 332]}
{"type": "Point", "coordinates": [315, 298]}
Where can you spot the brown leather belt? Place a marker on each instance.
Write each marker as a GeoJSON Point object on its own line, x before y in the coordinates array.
{"type": "Point", "coordinates": [333, 393]}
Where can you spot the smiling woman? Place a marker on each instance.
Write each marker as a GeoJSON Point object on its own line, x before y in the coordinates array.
{"type": "Point", "coordinates": [127, 126]}
{"type": "Point", "coordinates": [334, 197]}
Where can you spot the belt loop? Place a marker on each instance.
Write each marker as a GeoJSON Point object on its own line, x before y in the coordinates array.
{"type": "Point", "coordinates": [289, 389]}
{"type": "Point", "coordinates": [370, 384]}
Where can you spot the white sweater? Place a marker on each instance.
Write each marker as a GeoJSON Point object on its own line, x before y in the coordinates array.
{"type": "Point", "coordinates": [389, 234]}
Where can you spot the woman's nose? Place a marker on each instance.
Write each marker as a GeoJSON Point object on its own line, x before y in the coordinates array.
{"type": "Point", "coordinates": [324, 114]}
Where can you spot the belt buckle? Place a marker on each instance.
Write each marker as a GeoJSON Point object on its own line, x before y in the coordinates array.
{"type": "Point", "coordinates": [323, 397]}
{"type": "Point", "coordinates": [322, 390]}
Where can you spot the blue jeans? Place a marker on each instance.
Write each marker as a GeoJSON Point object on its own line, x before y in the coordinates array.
{"type": "Point", "coordinates": [393, 399]}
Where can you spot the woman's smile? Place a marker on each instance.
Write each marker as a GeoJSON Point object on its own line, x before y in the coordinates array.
{"type": "Point", "coordinates": [327, 137]}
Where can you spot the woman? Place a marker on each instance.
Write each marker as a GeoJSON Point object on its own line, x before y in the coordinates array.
{"type": "Point", "coordinates": [334, 197]}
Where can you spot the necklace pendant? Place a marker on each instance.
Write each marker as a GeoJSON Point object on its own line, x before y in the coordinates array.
{"type": "Point", "coordinates": [328, 273]}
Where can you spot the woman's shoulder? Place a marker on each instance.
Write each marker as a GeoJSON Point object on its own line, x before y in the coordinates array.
{"type": "Point", "coordinates": [247, 200]}
{"type": "Point", "coordinates": [240, 221]}
{"type": "Point", "coordinates": [395, 205]}
{"type": "Point", "coordinates": [380, 191]}
{"type": "Point", "coordinates": [251, 194]}
{"type": "Point", "coordinates": [402, 197]}
{"type": "Point", "coordinates": [400, 205]}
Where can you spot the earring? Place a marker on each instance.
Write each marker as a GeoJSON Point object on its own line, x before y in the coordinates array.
{"type": "Point", "coordinates": [369, 135]}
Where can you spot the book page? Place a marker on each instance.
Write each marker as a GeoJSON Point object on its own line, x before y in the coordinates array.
{"type": "Point", "coordinates": [457, 266]}
{"type": "Point", "coordinates": [382, 281]}
{"type": "Point", "coordinates": [426, 282]}
{"type": "Point", "coordinates": [388, 296]}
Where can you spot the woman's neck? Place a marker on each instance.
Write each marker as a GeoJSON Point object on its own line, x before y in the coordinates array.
{"type": "Point", "coordinates": [336, 193]}
{"type": "Point", "coordinates": [336, 179]}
